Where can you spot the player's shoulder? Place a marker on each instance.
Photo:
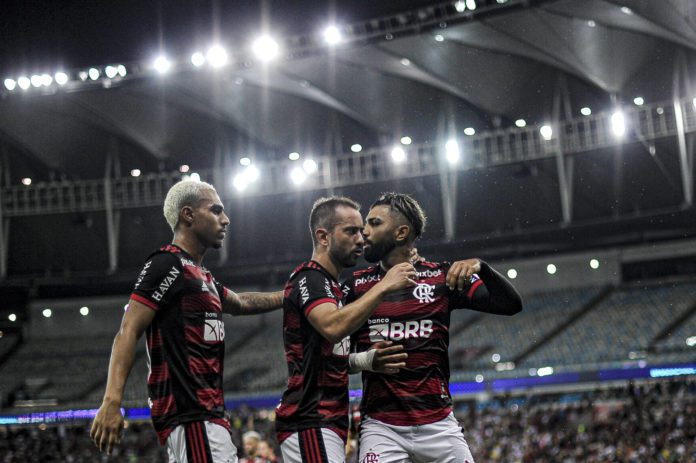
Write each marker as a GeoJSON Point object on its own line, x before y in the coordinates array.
{"type": "Point", "coordinates": [307, 268]}
{"type": "Point", "coordinates": [432, 265]}
{"type": "Point", "coordinates": [365, 271]}
{"type": "Point", "coordinates": [168, 255]}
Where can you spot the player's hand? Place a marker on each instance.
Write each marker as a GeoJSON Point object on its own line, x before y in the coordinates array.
{"type": "Point", "coordinates": [459, 275]}
{"type": "Point", "coordinates": [414, 257]}
{"type": "Point", "coordinates": [107, 427]}
{"type": "Point", "coordinates": [389, 358]}
{"type": "Point", "coordinates": [398, 277]}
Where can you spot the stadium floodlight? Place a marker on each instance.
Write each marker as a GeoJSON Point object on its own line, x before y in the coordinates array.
{"type": "Point", "coordinates": [406, 140]}
{"type": "Point", "coordinates": [512, 273]}
{"type": "Point", "coordinates": [551, 269]}
{"type": "Point", "coordinates": [26, 181]}
{"type": "Point", "coordinates": [93, 73]}
{"type": "Point", "coordinates": [217, 56]}
{"type": "Point", "coordinates": [398, 154]}
{"type": "Point", "coordinates": [439, 38]}
{"type": "Point", "coordinates": [626, 10]}
{"type": "Point", "coordinates": [294, 156]}
{"type": "Point", "coordinates": [638, 101]}
{"type": "Point", "coordinates": [532, 372]}
{"type": "Point", "coordinates": [521, 123]}
{"type": "Point", "coordinates": [84, 311]}
{"type": "Point", "coordinates": [184, 168]}
{"type": "Point", "coordinates": [10, 84]}
{"type": "Point", "coordinates": [591, 23]}
{"type": "Point", "coordinates": [356, 147]}
{"type": "Point", "coordinates": [195, 176]}
{"type": "Point", "coordinates": [240, 182]}
{"type": "Point", "coordinates": [471, 4]}
{"type": "Point", "coordinates": [618, 124]}
{"type": "Point", "coordinates": [585, 111]}
{"type": "Point", "coordinates": [690, 341]}
{"type": "Point", "coordinates": [495, 358]}
{"type": "Point", "coordinates": [479, 378]}
{"type": "Point", "coordinates": [82, 75]}
{"type": "Point", "coordinates": [452, 151]}
{"type": "Point", "coordinates": [122, 71]}
{"type": "Point", "coordinates": [469, 131]}
{"type": "Point", "coordinates": [111, 71]}
{"type": "Point", "coordinates": [694, 102]}
{"type": "Point", "coordinates": [245, 161]}
{"type": "Point", "coordinates": [252, 173]}
{"type": "Point", "coordinates": [332, 35]}
{"type": "Point", "coordinates": [47, 313]}
{"type": "Point", "coordinates": [310, 166]}
{"type": "Point", "coordinates": [544, 371]}
{"type": "Point", "coordinates": [12, 317]}
{"type": "Point", "coordinates": [46, 80]}
{"type": "Point", "coordinates": [460, 6]}
{"type": "Point", "coordinates": [197, 59]}
{"type": "Point", "coordinates": [135, 173]}
{"type": "Point", "coordinates": [35, 81]}
{"type": "Point", "coordinates": [405, 61]}
{"type": "Point", "coordinates": [61, 78]}
{"type": "Point", "coordinates": [298, 175]}
{"type": "Point", "coordinates": [265, 48]}
{"type": "Point", "coordinates": [594, 264]}
{"type": "Point", "coordinates": [162, 64]}
{"type": "Point", "coordinates": [546, 132]}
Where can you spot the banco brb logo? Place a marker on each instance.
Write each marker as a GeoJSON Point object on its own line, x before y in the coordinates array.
{"type": "Point", "coordinates": [424, 293]}
{"type": "Point", "coordinates": [214, 331]}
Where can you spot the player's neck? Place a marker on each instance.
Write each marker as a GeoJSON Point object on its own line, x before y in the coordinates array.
{"type": "Point", "coordinates": [396, 256]}
{"type": "Point", "coordinates": [325, 261]}
{"type": "Point", "coordinates": [191, 246]}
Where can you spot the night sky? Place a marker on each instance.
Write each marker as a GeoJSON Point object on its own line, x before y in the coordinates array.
{"type": "Point", "coordinates": [45, 35]}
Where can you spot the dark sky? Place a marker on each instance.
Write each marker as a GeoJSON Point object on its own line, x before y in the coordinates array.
{"type": "Point", "coordinates": [43, 35]}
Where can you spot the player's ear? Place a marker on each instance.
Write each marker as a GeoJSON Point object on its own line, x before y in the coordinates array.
{"type": "Point", "coordinates": [401, 234]}
{"type": "Point", "coordinates": [186, 215]}
{"type": "Point", "coordinates": [321, 236]}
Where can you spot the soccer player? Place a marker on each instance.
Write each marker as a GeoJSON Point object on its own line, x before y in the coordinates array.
{"type": "Point", "coordinates": [408, 416]}
{"type": "Point", "coordinates": [312, 418]}
{"type": "Point", "coordinates": [180, 305]}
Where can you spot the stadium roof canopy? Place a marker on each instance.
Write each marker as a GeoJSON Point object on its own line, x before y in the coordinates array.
{"type": "Point", "coordinates": [427, 73]}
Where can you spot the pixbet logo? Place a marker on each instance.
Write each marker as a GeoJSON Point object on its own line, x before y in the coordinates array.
{"type": "Point", "coordinates": [397, 331]}
{"type": "Point", "coordinates": [367, 279]}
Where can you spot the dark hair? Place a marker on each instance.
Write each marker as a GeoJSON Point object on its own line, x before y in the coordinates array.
{"type": "Point", "coordinates": [323, 213]}
{"type": "Point", "coordinates": [407, 207]}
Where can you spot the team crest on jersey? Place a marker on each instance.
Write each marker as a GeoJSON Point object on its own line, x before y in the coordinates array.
{"type": "Point", "coordinates": [424, 293]}
{"type": "Point", "coordinates": [370, 457]}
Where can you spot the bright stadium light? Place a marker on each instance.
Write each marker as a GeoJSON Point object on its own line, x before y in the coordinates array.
{"type": "Point", "coordinates": [452, 151]}
{"type": "Point", "coordinates": [479, 378]}
{"type": "Point", "coordinates": [694, 102]}
{"type": "Point", "coordinates": [93, 73]}
{"type": "Point", "coordinates": [111, 71]}
{"type": "Point", "coordinates": [35, 81]}
{"type": "Point", "coordinates": [82, 75]}
{"type": "Point", "coordinates": [298, 175]}
{"type": "Point", "coordinates": [47, 313]}
{"type": "Point", "coordinates": [398, 154]}
{"type": "Point", "coordinates": [265, 48]}
{"type": "Point", "coordinates": [332, 35]}
{"type": "Point", "coordinates": [551, 269]}
{"type": "Point", "coordinates": [439, 38]}
{"type": "Point", "coordinates": [195, 176]}
{"type": "Point", "coordinates": [84, 311]}
{"type": "Point", "coordinates": [61, 78]}
{"type": "Point", "coordinates": [245, 161]}
{"type": "Point", "coordinates": [356, 148]}
{"type": "Point", "coordinates": [252, 173]}
{"type": "Point", "coordinates": [135, 173]}
{"type": "Point", "coordinates": [405, 61]}
{"type": "Point", "coordinates": [46, 80]}
{"type": "Point", "coordinates": [240, 181]}
{"type": "Point", "coordinates": [585, 111]}
{"type": "Point", "coordinates": [26, 181]}
{"type": "Point", "coordinates": [546, 132]}
{"type": "Point", "coordinates": [406, 140]}
{"type": "Point", "coordinates": [184, 168]}
{"type": "Point", "coordinates": [12, 317]}
{"type": "Point", "coordinates": [544, 371]}
{"type": "Point", "coordinates": [469, 131]}
{"type": "Point", "coordinates": [161, 64]}
{"type": "Point", "coordinates": [197, 59]}
{"type": "Point", "coordinates": [521, 123]}
{"type": "Point", "coordinates": [24, 82]}
{"type": "Point", "coordinates": [690, 341]}
{"type": "Point", "coordinates": [460, 6]}
{"type": "Point", "coordinates": [626, 10]}
{"type": "Point", "coordinates": [294, 156]}
{"type": "Point", "coordinates": [10, 84]}
{"type": "Point", "coordinates": [310, 166]}
{"type": "Point", "coordinates": [471, 4]}
{"type": "Point", "coordinates": [122, 71]}
{"type": "Point", "coordinates": [512, 273]}
{"type": "Point", "coordinates": [618, 124]}
{"type": "Point", "coordinates": [495, 358]}
{"type": "Point", "coordinates": [594, 264]}
{"type": "Point", "coordinates": [638, 101]}
{"type": "Point", "coordinates": [217, 56]}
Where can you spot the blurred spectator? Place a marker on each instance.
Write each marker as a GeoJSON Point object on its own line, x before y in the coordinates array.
{"type": "Point", "coordinates": [251, 441]}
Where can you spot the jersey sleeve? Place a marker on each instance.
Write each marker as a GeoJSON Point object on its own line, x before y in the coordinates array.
{"type": "Point", "coordinates": [465, 298]}
{"type": "Point", "coordinates": [347, 287]}
{"type": "Point", "coordinates": [221, 289]}
{"type": "Point", "coordinates": [159, 280]}
{"type": "Point", "coordinates": [313, 289]}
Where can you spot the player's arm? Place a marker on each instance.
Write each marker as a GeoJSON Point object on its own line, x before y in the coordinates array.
{"type": "Point", "coordinates": [492, 293]}
{"type": "Point", "coordinates": [251, 303]}
{"type": "Point", "coordinates": [108, 423]}
{"type": "Point", "coordinates": [334, 324]}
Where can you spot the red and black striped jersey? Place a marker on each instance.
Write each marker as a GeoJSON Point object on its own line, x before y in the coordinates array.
{"type": "Point", "coordinates": [317, 390]}
{"type": "Point", "coordinates": [185, 341]}
{"type": "Point", "coordinates": [417, 317]}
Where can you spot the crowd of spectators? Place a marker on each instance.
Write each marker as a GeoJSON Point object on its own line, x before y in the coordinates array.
{"type": "Point", "coordinates": [653, 422]}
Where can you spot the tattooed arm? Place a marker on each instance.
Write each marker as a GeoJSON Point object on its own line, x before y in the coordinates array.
{"type": "Point", "coordinates": [251, 303]}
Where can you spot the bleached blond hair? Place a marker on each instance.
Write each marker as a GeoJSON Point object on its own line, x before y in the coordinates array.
{"type": "Point", "coordinates": [183, 193]}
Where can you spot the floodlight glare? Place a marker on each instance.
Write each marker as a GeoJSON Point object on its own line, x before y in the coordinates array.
{"type": "Point", "coordinates": [452, 151]}
{"type": "Point", "coordinates": [546, 132]}
{"type": "Point", "coordinates": [405, 61]}
{"type": "Point", "coordinates": [245, 161]}
{"type": "Point", "coordinates": [24, 82]}
{"type": "Point", "coordinates": [46, 80]}
{"type": "Point", "coordinates": [356, 148]}
{"type": "Point", "coordinates": [135, 173]}
{"type": "Point", "coordinates": [162, 64]}
{"type": "Point", "coordinates": [471, 4]}
{"type": "Point", "coordinates": [594, 264]}
{"type": "Point", "coordinates": [111, 72]}
{"type": "Point", "coordinates": [35, 81]}
{"type": "Point", "coordinates": [310, 166]}
{"type": "Point", "coordinates": [10, 84]}
{"type": "Point", "coordinates": [551, 269]}
{"type": "Point", "coordinates": [47, 313]}
{"type": "Point", "coordinates": [406, 140]}
{"type": "Point", "coordinates": [585, 111]}
{"type": "Point", "coordinates": [638, 101]}
{"type": "Point", "coordinates": [217, 56]}
{"type": "Point", "coordinates": [197, 59]}
{"type": "Point", "coordinates": [298, 176]}
{"type": "Point", "coordinates": [252, 173]}
{"type": "Point", "coordinates": [398, 155]}
{"type": "Point", "coordinates": [240, 182]}
{"type": "Point", "coordinates": [332, 35]}
{"type": "Point", "coordinates": [460, 6]}
{"type": "Point", "coordinates": [521, 123]}
{"type": "Point", "coordinates": [265, 48]}
{"type": "Point", "coordinates": [184, 168]}
{"type": "Point", "coordinates": [469, 131]}
{"type": "Point", "coordinates": [294, 156]}
{"type": "Point", "coordinates": [121, 70]}
{"type": "Point", "coordinates": [439, 38]}
{"type": "Point", "coordinates": [12, 317]}
{"type": "Point", "coordinates": [84, 311]}
{"type": "Point", "coordinates": [26, 181]}
{"type": "Point", "coordinates": [512, 273]}
{"type": "Point", "coordinates": [61, 78]}
{"type": "Point", "coordinates": [93, 73]}
{"type": "Point", "coordinates": [618, 124]}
